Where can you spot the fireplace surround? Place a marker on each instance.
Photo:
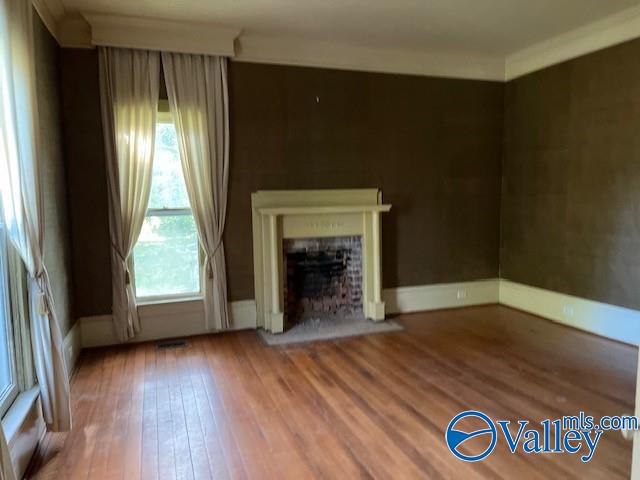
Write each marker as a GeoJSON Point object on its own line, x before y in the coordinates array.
{"type": "Point", "coordinates": [282, 217]}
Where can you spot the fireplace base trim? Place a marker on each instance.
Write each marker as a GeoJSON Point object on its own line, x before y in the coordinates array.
{"type": "Point", "coordinates": [375, 311]}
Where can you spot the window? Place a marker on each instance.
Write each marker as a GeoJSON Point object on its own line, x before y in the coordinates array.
{"type": "Point", "coordinates": [8, 382]}
{"type": "Point", "coordinates": [166, 258]}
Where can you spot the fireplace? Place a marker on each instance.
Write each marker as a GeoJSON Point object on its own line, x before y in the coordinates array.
{"type": "Point", "coordinates": [316, 237]}
{"type": "Point", "coordinates": [322, 278]}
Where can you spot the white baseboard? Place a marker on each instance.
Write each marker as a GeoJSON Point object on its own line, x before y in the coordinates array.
{"type": "Point", "coordinates": [165, 320]}
{"type": "Point", "coordinates": [186, 318]}
{"type": "Point", "coordinates": [96, 331]}
{"type": "Point", "coordinates": [243, 314]}
{"type": "Point", "coordinates": [71, 346]}
{"type": "Point", "coordinates": [180, 319]}
{"type": "Point", "coordinates": [438, 296]}
{"type": "Point", "coordinates": [603, 319]}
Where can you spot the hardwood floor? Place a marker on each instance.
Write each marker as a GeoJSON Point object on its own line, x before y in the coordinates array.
{"type": "Point", "coordinates": [226, 406]}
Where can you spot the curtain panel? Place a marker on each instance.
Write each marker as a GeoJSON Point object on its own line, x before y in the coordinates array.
{"type": "Point", "coordinates": [23, 210]}
{"type": "Point", "coordinates": [199, 103]}
{"type": "Point", "coordinates": [23, 205]}
{"type": "Point", "coordinates": [129, 83]}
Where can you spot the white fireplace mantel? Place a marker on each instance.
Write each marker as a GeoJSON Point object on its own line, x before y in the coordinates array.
{"type": "Point", "coordinates": [277, 215]}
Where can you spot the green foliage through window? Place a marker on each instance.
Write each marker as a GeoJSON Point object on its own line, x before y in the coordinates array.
{"type": "Point", "coordinates": [166, 256]}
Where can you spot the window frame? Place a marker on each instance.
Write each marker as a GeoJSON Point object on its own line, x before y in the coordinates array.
{"type": "Point", "coordinates": [8, 396]}
{"type": "Point", "coordinates": [164, 117]}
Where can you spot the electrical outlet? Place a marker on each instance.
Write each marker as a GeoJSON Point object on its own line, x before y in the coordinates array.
{"type": "Point", "coordinates": [462, 293]}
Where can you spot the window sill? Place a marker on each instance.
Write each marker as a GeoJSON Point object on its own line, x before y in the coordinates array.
{"type": "Point", "coordinates": [144, 302]}
{"type": "Point", "coordinates": [18, 412]}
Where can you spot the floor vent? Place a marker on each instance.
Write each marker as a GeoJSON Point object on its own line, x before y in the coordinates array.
{"type": "Point", "coordinates": [171, 344]}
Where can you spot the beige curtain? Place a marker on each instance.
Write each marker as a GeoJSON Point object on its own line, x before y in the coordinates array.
{"type": "Point", "coordinates": [199, 103]}
{"type": "Point", "coordinates": [129, 95]}
{"type": "Point", "coordinates": [22, 201]}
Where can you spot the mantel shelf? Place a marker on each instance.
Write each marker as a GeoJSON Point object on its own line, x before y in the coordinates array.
{"type": "Point", "coordinates": [275, 211]}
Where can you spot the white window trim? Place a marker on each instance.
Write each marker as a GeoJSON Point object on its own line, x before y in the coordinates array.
{"type": "Point", "coordinates": [18, 411]}
{"type": "Point", "coordinates": [164, 116]}
{"type": "Point", "coordinates": [7, 396]}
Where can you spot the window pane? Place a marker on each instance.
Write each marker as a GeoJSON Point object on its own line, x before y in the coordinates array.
{"type": "Point", "coordinates": [167, 182]}
{"type": "Point", "coordinates": [166, 256]}
{"type": "Point", "coordinates": [6, 377]}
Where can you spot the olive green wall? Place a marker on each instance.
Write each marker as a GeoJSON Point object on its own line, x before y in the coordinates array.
{"type": "Point", "coordinates": [565, 218]}
{"type": "Point", "coordinates": [57, 246]}
{"type": "Point", "coordinates": [571, 177]}
{"type": "Point", "coordinates": [86, 173]}
{"type": "Point", "coordinates": [432, 145]}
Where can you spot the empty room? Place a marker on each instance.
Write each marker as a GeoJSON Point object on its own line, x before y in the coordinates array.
{"type": "Point", "coordinates": [245, 239]}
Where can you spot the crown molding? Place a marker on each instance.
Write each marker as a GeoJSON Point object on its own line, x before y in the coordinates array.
{"type": "Point", "coordinates": [69, 30]}
{"type": "Point", "coordinates": [86, 31]}
{"type": "Point", "coordinates": [51, 12]}
{"type": "Point", "coordinates": [294, 51]}
{"type": "Point", "coordinates": [609, 31]}
{"type": "Point", "coordinates": [152, 34]}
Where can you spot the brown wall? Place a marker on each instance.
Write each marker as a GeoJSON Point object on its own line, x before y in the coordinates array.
{"type": "Point", "coordinates": [86, 174]}
{"type": "Point", "coordinates": [432, 145]}
{"type": "Point", "coordinates": [57, 245]}
{"type": "Point", "coordinates": [571, 187]}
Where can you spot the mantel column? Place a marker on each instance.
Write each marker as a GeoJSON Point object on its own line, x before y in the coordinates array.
{"type": "Point", "coordinates": [376, 309]}
{"type": "Point", "coordinates": [277, 317]}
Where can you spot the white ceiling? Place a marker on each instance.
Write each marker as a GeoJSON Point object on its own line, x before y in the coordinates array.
{"type": "Point", "coordinates": [488, 27]}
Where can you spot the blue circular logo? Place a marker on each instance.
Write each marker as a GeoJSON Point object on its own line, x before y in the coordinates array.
{"type": "Point", "coordinates": [455, 438]}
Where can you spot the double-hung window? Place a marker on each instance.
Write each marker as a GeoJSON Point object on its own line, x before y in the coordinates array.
{"type": "Point", "coordinates": [166, 257]}
{"type": "Point", "coordinates": [8, 381]}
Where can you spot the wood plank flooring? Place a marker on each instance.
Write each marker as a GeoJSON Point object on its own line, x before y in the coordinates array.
{"type": "Point", "coordinates": [226, 406]}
